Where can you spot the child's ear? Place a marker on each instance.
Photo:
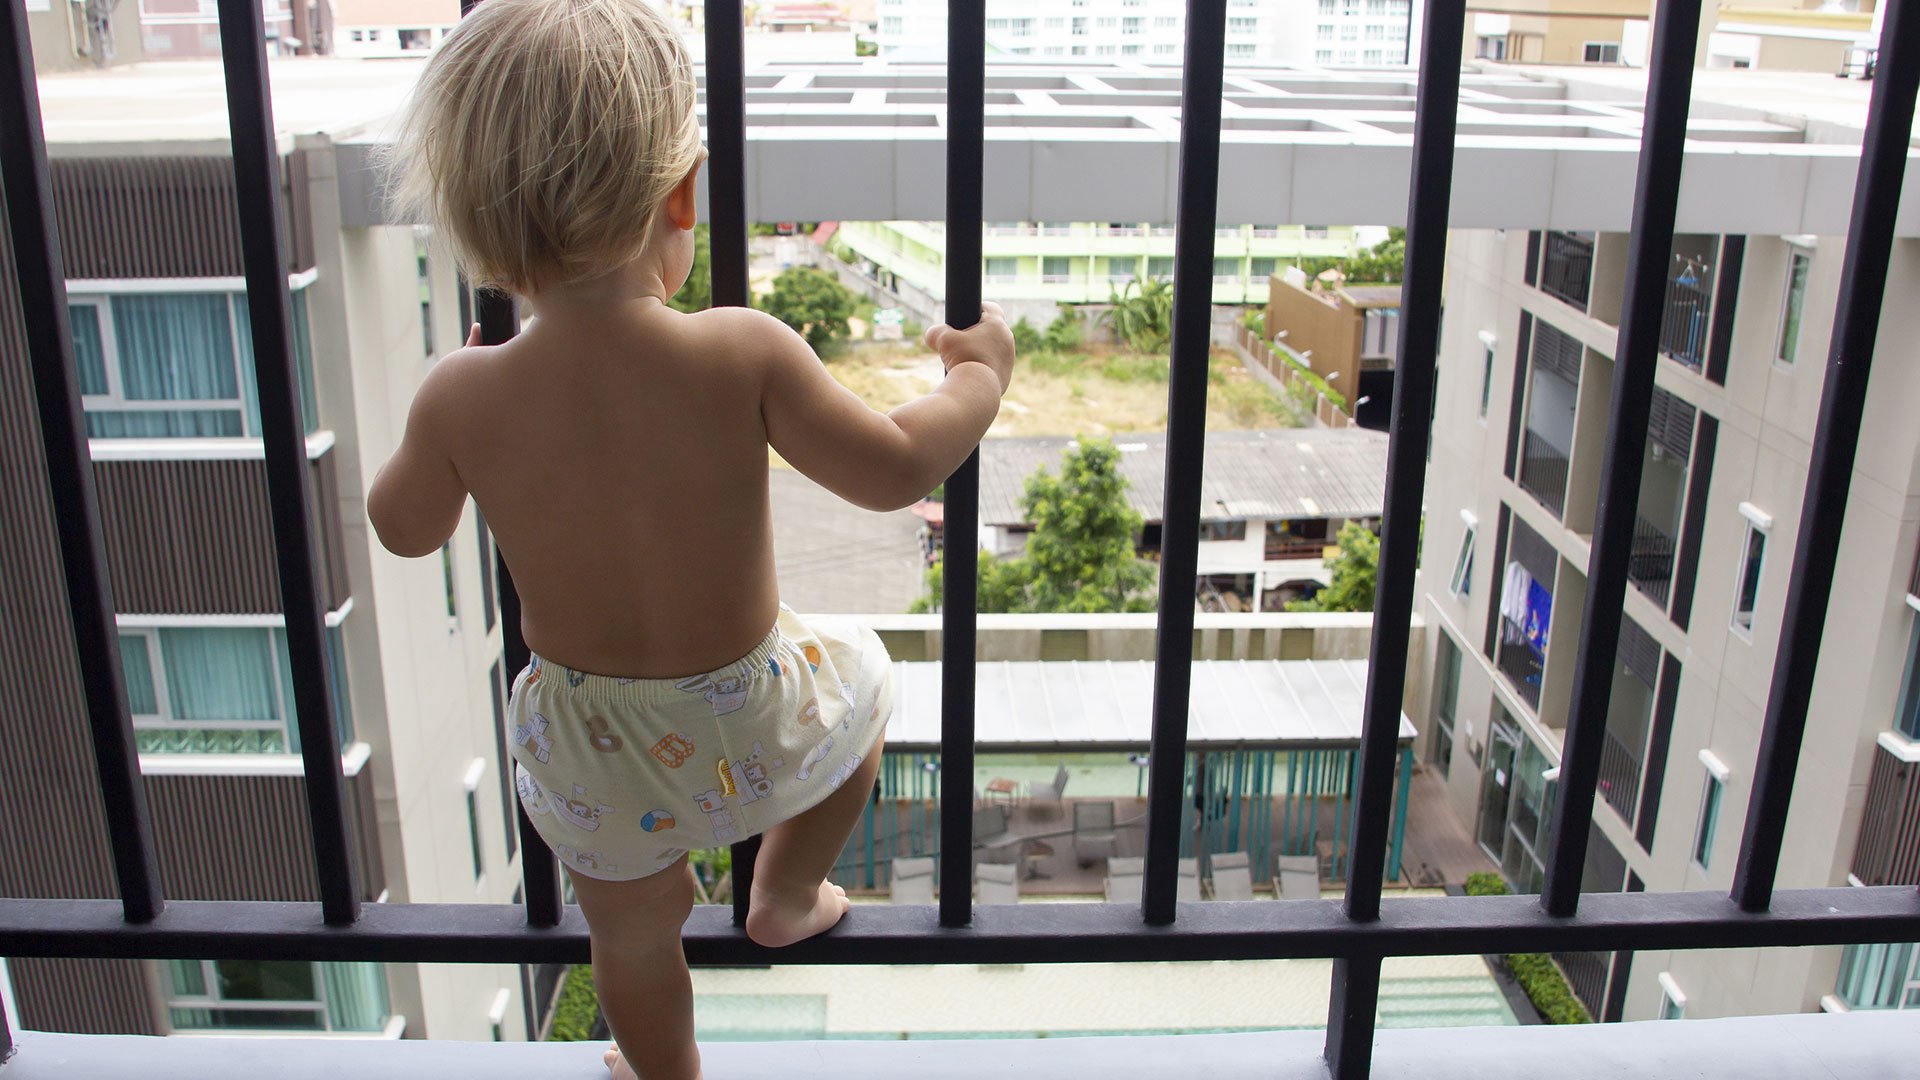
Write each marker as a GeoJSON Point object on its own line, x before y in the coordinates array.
{"type": "Point", "coordinates": [683, 199]}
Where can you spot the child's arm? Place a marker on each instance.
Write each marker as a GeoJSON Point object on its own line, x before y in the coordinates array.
{"type": "Point", "coordinates": [417, 498]}
{"type": "Point", "coordinates": [884, 461]}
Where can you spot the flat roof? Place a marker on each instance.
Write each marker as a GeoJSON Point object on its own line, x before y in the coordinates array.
{"type": "Point", "coordinates": [1106, 705]}
{"type": "Point", "coordinates": [1286, 473]}
{"type": "Point", "coordinates": [1539, 147]}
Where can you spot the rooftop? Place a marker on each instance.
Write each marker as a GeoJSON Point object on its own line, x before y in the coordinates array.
{"type": "Point", "coordinates": [1290, 473]}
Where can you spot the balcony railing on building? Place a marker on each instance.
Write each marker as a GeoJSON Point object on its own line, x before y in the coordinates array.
{"type": "Point", "coordinates": [1566, 267]}
{"type": "Point", "coordinates": [1650, 566]}
{"type": "Point", "coordinates": [1543, 472]}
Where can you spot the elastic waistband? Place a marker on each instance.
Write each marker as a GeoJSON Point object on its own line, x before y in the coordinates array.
{"type": "Point", "coordinates": [553, 678]}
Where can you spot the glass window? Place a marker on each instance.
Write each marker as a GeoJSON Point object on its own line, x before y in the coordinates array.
{"type": "Point", "coordinates": [1228, 268]}
{"type": "Point", "coordinates": [1263, 268]}
{"type": "Point", "coordinates": [1709, 819]}
{"type": "Point", "coordinates": [1882, 975]}
{"type": "Point", "coordinates": [1241, 51]}
{"type": "Point", "coordinates": [220, 689]}
{"type": "Point", "coordinates": [1129, 50]}
{"type": "Point", "coordinates": [1906, 716]}
{"type": "Point", "coordinates": [1486, 381]}
{"type": "Point", "coordinates": [275, 995]}
{"type": "Point", "coordinates": [1669, 1008]}
{"type": "Point", "coordinates": [1446, 705]}
{"type": "Point", "coordinates": [1462, 585]}
{"type": "Point", "coordinates": [1601, 52]}
{"type": "Point", "coordinates": [1160, 266]}
{"type": "Point", "coordinates": [1747, 592]}
{"type": "Point", "coordinates": [446, 571]}
{"type": "Point", "coordinates": [1798, 263]}
{"type": "Point", "coordinates": [488, 605]}
{"type": "Point", "coordinates": [1223, 530]}
{"type": "Point", "coordinates": [474, 773]}
{"type": "Point", "coordinates": [1000, 268]}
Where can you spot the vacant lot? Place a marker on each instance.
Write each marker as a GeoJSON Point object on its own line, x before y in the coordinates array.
{"type": "Point", "coordinates": [1096, 392]}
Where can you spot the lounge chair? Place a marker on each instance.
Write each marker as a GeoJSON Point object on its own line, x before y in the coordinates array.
{"type": "Point", "coordinates": [911, 881]}
{"type": "Point", "coordinates": [1297, 877]}
{"type": "Point", "coordinates": [1232, 877]}
{"type": "Point", "coordinates": [1093, 834]}
{"type": "Point", "coordinates": [1124, 877]}
{"type": "Point", "coordinates": [990, 835]}
{"type": "Point", "coordinates": [999, 883]}
{"type": "Point", "coordinates": [1189, 881]}
{"type": "Point", "coordinates": [1040, 791]}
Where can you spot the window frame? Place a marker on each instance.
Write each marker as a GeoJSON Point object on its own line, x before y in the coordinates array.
{"type": "Point", "coordinates": [1706, 822]}
{"type": "Point", "coordinates": [211, 1001]}
{"type": "Point", "coordinates": [1759, 526]}
{"type": "Point", "coordinates": [167, 720]}
{"type": "Point", "coordinates": [470, 783]}
{"type": "Point", "coordinates": [1460, 585]}
{"type": "Point", "coordinates": [1595, 52]}
{"type": "Point", "coordinates": [1673, 1000]}
{"type": "Point", "coordinates": [1786, 347]}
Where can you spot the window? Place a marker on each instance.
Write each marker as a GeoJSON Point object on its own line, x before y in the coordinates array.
{"type": "Point", "coordinates": [1023, 28]}
{"type": "Point", "coordinates": [1226, 270]}
{"type": "Point", "coordinates": [1797, 265]}
{"type": "Point", "coordinates": [1446, 707]}
{"type": "Point", "coordinates": [1103, 50]}
{"type": "Point", "coordinates": [1323, 56]}
{"type": "Point", "coordinates": [1242, 51]}
{"type": "Point", "coordinates": [892, 24]}
{"type": "Point", "coordinates": [1906, 716]}
{"type": "Point", "coordinates": [219, 689]}
{"type": "Point", "coordinates": [357, 35]}
{"type": "Point", "coordinates": [1487, 343]}
{"type": "Point", "coordinates": [1107, 22]}
{"type": "Point", "coordinates": [1747, 589]}
{"type": "Point", "coordinates": [1056, 24]}
{"type": "Point", "coordinates": [998, 24]}
{"type": "Point", "coordinates": [446, 571]}
{"type": "Point", "coordinates": [1324, 32]}
{"type": "Point", "coordinates": [509, 799]}
{"type": "Point", "coordinates": [1079, 24]}
{"type": "Point", "coordinates": [1160, 267]}
{"type": "Point", "coordinates": [1163, 50]}
{"type": "Point", "coordinates": [176, 365]}
{"type": "Point", "coordinates": [1673, 1003]}
{"type": "Point", "coordinates": [471, 782]}
{"type": "Point", "coordinates": [1709, 810]}
{"type": "Point", "coordinates": [1349, 32]}
{"type": "Point", "coordinates": [275, 995]}
{"type": "Point", "coordinates": [415, 40]}
{"type": "Point", "coordinates": [497, 1015]}
{"type": "Point", "coordinates": [1223, 530]}
{"type": "Point", "coordinates": [1883, 975]}
{"type": "Point", "coordinates": [1326, 7]}
{"type": "Point", "coordinates": [1002, 268]}
{"type": "Point", "coordinates": [1079, 50]}
{"type": "Point", "coordinates": [1243, 26]}
{"type": "Point", "coordinates": [484, 538]}
{"type": "Point", "coordinates": [1262, 268]}
{"type": "Point", "coordinates": [1134, 24]}
{"type": "Point", "coordinates": [1601, 52]}
{"type": "Point", "coordinates": [1165, 22]}
{"type": "Point", "coordinates": [1129, 50]}
{"type": "Point", "coordinates": [426, 287]}
{"type": "Point", "coordinates": [1490, 47]}
{"type": "Point", "coordinates": [1462, 585]}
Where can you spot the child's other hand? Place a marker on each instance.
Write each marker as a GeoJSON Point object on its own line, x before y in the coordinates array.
{"type": "Point", "coordinates": [988, 342]}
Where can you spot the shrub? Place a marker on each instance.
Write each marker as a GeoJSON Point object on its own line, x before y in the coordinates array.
{"type": "Point", "coordinates": [1486, 883]}
{"type": "Point", "coordinates": [1545, 986]}
{"type": "Point", "coordinates": [1026, 340]}
{"type": "Point", "coordinates": [1063, 333]}
{"type": "Point", "coordinates": [578, 1007]}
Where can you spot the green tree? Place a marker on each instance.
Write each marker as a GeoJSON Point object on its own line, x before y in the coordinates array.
{"type": "Point", "coordinates": [1355, 566]}
{"type": "Point", "coordinates": [697, 293]}
{"type": "Point", "coordinates": [1142, 314]}
{"type": "Point", "coordinates": [813, 302]}
{"type": "Point", "coordinates": [1080, 556]}
{"type": "Point", "coordinates": [1384, 263]}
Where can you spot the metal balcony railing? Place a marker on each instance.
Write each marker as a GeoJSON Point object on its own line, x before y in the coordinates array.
{"type": "Point", "coordinates": [1620, 776]}
{"type": "Point", "coordinates": [1683, 325]}
{"type": "Point", "coordinates": [1358, 931]}
{"type": "Point", "coordinates": [1543, 472]}
{"type": "Point", "coordinates": [1651, 566]}
{"type": "Point", "coordinates": [1566, 268]}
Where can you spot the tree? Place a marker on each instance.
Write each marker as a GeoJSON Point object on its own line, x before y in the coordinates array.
{"type": "Point", "coordinates": [1080, 556]}
{"type": "Point", "coordinates": [813, 302]}
{"type": "Point", "coordinates": [1142, 314]}
{"type": "Point", "coordinates": [1356, 568]}
{"type": "Point", "coordinates": [697, 293]}
{"type": "Point", "coordinates": [1384, 263]}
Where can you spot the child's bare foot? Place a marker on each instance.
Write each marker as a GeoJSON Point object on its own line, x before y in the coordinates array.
{"type": "Point", "coordinates": [776, 922]}
{"type": "Point", "coordinates": [618, 1066]}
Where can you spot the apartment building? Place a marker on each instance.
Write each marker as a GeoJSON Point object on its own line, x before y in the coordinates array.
{"type": "Point", "coordinates": [1372, 33]}
{"type": "Point", "coordinates": [1153, 30]}
{"type": "Point", "coordinates": [149, 236]}
{"type": "Point", "coordinates": [65, 38]}
{"type": "Point", "coordinates": [1039, 264]}
{"type": "Point", "coordinates": [1525, 374]}
{"type": "Point", "coordinates": [1558, 31]}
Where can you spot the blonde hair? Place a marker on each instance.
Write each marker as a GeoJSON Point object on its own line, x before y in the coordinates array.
{"type": "Point", "coordinates": [544, 136]}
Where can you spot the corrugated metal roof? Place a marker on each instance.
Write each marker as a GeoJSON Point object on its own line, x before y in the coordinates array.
{"type": "Point", "coordinates": [1107, 705]}
{"type": "Point", "coordinates": [1291, 473]}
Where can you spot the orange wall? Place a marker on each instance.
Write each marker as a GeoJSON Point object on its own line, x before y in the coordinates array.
{"type": "Point", "coordinates": [1311, 322]}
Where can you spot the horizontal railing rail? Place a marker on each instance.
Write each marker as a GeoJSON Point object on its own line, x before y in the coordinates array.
{"type": "Point", "coordinates": [1359, 930]}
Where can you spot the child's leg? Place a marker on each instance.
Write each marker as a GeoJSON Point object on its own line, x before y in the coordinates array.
{"type": "Point", "coordinates": [640, 971]}
{"type": "Point", "coordinates": [792, 899]}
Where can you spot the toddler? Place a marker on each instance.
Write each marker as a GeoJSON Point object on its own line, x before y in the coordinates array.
{"type": "Point", "coordinates": [618, 449]}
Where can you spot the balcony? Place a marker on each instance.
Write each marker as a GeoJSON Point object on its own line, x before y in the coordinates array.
{"type": "Point", "coordinates": [1566, 268]}
{"type": "Point", "coordinates": [1888, 850]}
{"type": "Point", "coordinates": [1543, 472]}
{"type": "Point", "coordinates": [1620, 776]}
{"type": "Point", "coordinates": [1650, 564]}
{"type": "Point", "coordinates": [1684, 320]}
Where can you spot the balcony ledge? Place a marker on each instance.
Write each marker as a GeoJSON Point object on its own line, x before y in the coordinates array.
{"type": "Point", "coordinates": [1854, 1044]}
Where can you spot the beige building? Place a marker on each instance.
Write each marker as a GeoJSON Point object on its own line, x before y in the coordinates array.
{"type": "Point", "coordinates": [1525, 373]}
{"type": "Point", "coordinates": [68, 37]}
{"type": "Point", "coordinates": [1554, 31]}
{"type": "Point", "coordinates": [1346, 333]}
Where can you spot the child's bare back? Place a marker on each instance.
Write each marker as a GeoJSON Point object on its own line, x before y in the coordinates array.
{"type": "Point", "coordinates": [619, 450]}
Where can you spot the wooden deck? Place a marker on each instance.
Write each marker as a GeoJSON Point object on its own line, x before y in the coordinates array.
{"type": "Point", "coordinates": [1440, 849]}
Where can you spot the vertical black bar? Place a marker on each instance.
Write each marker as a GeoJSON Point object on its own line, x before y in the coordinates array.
{"type": "Point", "coordinates": [1356, 982]}
{"type": "Point", "coordinates": [1435, 113]}
{"type": "Point", "coordinates": [966, 149]}
{"type": "Point", "coordinates": [539, 871]}
{"type": "Point", "coordinates": [727, 151]}
{"type": "Point", "coordinates": [1726, 297]}
{"type": "Point", "coordinates": [1201, 84]}
{"type": "Point", "coordinates": [1693, 524]}
{"type": "Point", "coordinates": [727, 224]}
{"type": "Point", "coordinates": [1350, 1020]}
{"type": "Point", "coordinates": [1653, 777]}
{"type": "Point", "coordinates": [1863, 284]}
{"type": "Point", "coordinates": [83, 556]}
{"type": "Point", "coordinates": [256, 168]}
{"type": "Point", "coordinates": [1656, 193]}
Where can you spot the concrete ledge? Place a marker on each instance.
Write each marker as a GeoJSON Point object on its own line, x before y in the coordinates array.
{"type": "Point", "coordinates": [1855, 1045]}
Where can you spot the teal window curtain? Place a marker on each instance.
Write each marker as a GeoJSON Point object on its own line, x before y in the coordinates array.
{"type": "Point", "coordinates": [138, 668]}
{"type": "Point", "coordinates": [222, 675]}
{"type": "Point", "coordinates": [302, 358]}
{"type": "Point", "coordinates": [1874, 976]}
{"type": "Point", "coordinates": [88, 352]}
{"type": "Point", "coordinates": [172, 347]}
{"type": "Point", "coordinates": [356, 996]}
